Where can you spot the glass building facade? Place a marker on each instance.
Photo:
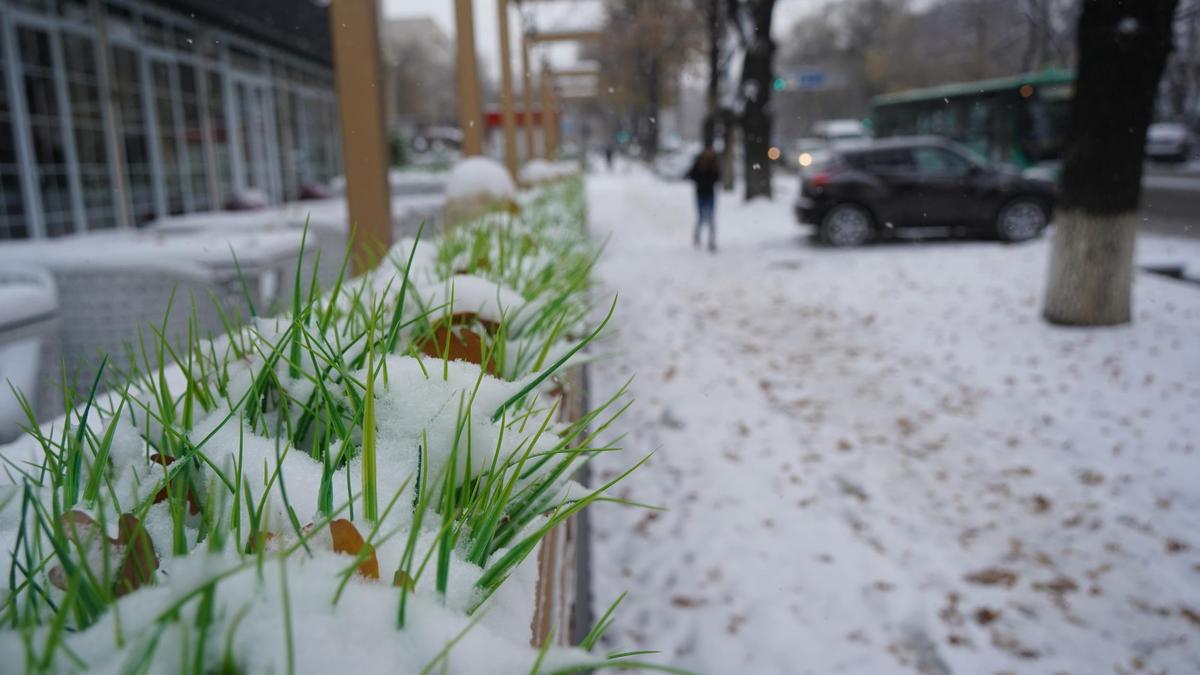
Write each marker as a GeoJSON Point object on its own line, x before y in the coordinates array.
{"type": "Point", "coordinates": [116, 112]}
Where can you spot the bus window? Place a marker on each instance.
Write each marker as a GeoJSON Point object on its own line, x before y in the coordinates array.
{"type": "Point", "coordinates": [1047, 123]}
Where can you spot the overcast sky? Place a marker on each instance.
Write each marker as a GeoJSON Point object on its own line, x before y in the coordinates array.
{"type": "Point", "coordinates": [556, 15]}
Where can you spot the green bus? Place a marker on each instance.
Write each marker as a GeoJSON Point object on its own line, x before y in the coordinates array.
{"type": "Point", "coordinates": [1019, 120]}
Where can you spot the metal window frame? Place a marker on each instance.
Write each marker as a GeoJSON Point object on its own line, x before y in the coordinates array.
{"type": "Point", "coordinates": [150, 114]}
{"type": "Point", "coordinates": [233, 127]}
{"type": "Point", "coordinates": [171, 60]}
{"type": "Point", "coordinates": [202, 69]}
{"type": "Point", "coordinates": [313, 84]}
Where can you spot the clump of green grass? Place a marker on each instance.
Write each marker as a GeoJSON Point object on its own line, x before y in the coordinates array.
{"type": "Point", "coordinates": [307, 382]}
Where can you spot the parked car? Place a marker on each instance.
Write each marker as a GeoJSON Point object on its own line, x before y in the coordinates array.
{"type": "Point", "coordinates": [902, 184]}
{"type": "Point", "coordinates": [1169, 142]}
{"type": "Point", "coordinates": [809, 151]}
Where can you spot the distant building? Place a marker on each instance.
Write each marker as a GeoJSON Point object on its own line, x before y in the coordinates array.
{"type": "Point", "coordinates": [114, 112]}
{"type": "Point", "coordinates": [419, 64]}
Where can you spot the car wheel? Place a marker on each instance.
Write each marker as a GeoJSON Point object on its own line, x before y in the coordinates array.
{"type": "Point", "coordinates": [846, 225]}
{"type": "Point", "coordinates": [1021, 219]}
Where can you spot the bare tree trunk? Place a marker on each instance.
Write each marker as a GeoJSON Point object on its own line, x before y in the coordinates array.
{"type": "Point", "coordinates": [1031, 41]}
{"type": "Point", "coordinates": [729, 127]}
{"type": "Point", "coordinates": [714, 25]}
{"type": "Point", "coordinates": [758, 76]}
{"type": "Point", "coordinates": [1091, 270]}
{"type": "Point", "coordinates": [1123, 48]}
{"type": "Point", "coordinates": [651, 74]}
{"type": "Point", "coordinates": [1192, 61]}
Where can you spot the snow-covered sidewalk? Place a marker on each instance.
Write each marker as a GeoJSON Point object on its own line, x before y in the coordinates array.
{"type": "Point", "coordinates": [881, 460]}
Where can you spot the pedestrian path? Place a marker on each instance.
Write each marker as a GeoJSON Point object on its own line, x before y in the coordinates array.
{"type": "Point", "coordinates": [881, 460]}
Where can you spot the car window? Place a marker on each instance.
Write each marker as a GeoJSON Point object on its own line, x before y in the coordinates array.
{"type": "Point", "coordinates": [939, 162]}
{"type": "Point", "coordinates": [891, 161]}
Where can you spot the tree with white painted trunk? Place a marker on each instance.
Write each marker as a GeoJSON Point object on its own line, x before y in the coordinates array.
{"type": "Point", "coordinates": [1123, 47]}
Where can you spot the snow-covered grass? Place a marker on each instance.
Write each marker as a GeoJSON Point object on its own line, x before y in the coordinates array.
{"type": "Point", "coordinates": [355, 485]}
{"type": "Point", "coordinates": [881, 460]}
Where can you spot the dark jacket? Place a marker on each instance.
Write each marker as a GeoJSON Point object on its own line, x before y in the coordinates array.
{"type": "Point", "coordinates": [704, 178]}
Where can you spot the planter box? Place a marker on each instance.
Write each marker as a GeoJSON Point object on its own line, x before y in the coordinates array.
{"type": "Point", "coordinates": [563, 607]}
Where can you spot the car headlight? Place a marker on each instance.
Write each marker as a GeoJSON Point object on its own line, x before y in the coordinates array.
{"type": "Point", "coordinates": [805, 159]}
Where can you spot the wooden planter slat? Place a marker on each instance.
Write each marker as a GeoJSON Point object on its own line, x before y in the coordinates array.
{"type": "Point", "coordinates": [561, 610]}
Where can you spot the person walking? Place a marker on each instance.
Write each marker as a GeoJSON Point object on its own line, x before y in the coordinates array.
{"type": "Point", "coordinates": [705, 173]}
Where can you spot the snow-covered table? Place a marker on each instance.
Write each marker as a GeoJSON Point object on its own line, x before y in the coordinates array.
{"type": "Point", "coordinates": [113, 284]}
{"type": "Point", "coordinates": [328, 222]}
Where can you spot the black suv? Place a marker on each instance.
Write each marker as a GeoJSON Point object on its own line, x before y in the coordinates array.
{"type": "Point", "coordinates": [897, 184]}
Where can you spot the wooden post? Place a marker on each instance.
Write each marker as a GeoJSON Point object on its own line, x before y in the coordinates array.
{"type": "Point", "coordinates": [549, 119]}
{"type": "Point", "coordinates": [359, 74]}
{"type": "Point", "coordinates": [470, 108]}
{"type": "Point", "coordinates": [506, 94]}
{"type": "Point", "coordinates": [527, 92]}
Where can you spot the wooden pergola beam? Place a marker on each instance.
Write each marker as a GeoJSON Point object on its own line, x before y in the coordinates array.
{"type": "Point", "coordinates": [577, 72]}
{"type": "Point", "coordinates": [359, 72]}
{"type": "Point", "coordinates": [549, 117]}
{"type": "Point", "coordinates": [470, 105]}
{"type": "Point", "coordinates": [506, 94]}
{"type": "Point", "coordinates": [527, 95]}
{"type": "Point", "coordinates": [565, 36]}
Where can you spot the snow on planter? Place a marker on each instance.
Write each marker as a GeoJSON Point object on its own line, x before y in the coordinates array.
{"type": "Point", "coordinates": [313, 492]}
{"type": "Point", "coordinates": [477, 185]}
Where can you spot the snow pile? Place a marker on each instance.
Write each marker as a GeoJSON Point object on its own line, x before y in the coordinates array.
{"type": "Point", "coordinates": [248, 199]}
{"type": "Point", "coordinates": [345, 487]}
{"type": "Point", "coordinates": [542, 171]}
{"type": "Point", "coordinates": [470, 294]}
{"type": "Point", "coordinates": [480, 178]}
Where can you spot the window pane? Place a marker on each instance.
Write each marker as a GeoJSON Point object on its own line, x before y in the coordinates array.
{"type": "Point", "coordinates": [197, 177]}
{"type": "Point", "coordinates": [168, 145]}
{"type": "Point", "coordinates": [45, 128]}
{"type": "Point", "coordinates": [891, 160]}
{"type": "Point", "coordinates": [127, 82]}
{"type": "Point", "coordinates": [286, 142]}
{"type": "Point", "coordinates": [939, 162]}
{"type": "Point", "coordinates": [83, 88]}
{"type": "Point", "coordinates": [220, 137]}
